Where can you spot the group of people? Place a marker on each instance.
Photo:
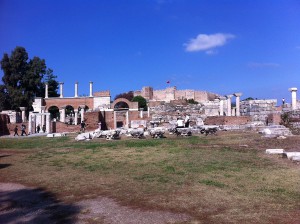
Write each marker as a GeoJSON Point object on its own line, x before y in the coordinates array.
{"type": "Point", "coordinates": [183, 123]}
{"type": "Point", "coordinates": [23, 129]}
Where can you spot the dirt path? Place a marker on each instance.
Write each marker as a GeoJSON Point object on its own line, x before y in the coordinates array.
{"type": "Point", "coordinates": [20, 204]}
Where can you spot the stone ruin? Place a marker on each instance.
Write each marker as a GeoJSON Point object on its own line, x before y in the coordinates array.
{"type": "Point", "coordinates": [164, 107]}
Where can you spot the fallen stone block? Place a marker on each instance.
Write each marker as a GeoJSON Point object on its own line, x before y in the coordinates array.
{"type": "Point", "coordinates": [289, 155]}
{"type": "Point", "coordinates": [275, 151]}
{"type": "Point", "coordinates": [296, 158]}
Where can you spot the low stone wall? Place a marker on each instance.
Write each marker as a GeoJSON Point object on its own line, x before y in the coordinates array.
{"type": "Point", "coordinates": [225, 120]}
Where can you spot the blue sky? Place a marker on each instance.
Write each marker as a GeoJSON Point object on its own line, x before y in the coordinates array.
{"type": "Point", "coordinates": [222, 46]}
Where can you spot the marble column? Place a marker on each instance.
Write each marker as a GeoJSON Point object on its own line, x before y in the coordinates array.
{"type": "Point", "coordinates": [91, 89]}
{"type": "Point", "coordinates": [43, 115]}
{"type": "Point", "coordinates": [293, 90]}
{"type": "Point", "coordinates": [61, 89]}
{"type": "Point", "coordinates": [76, 116]}
{"type": "Point", "coordinates": [222, 105]}
{"type": "Point", "coordinates": [48, 122]}
{"type": "Point", "coordinates": [82, 112]}
{"type": "Point", "coordinates": [63, 114]}
{"type": "Point", "coordinates": [141, 112]}
{"type": "Point", "coordinates": [237, 104]}
{"type": "Point", "coordinates": [46, 90]}
{"type": "Point", "coordinates": [148, 110]}
{"type": "Point", "coordinates": [127, 119]}
{"type": "Point", "coordinates": [115, 119]}
{"type": "Point", "coordinates": [76, 89]}
{"type": "Point", "coordinates": [30, 123]}
{"type": "Point", "coordinates": [229, 104]}
{"type": "Point", "coordinates": [23, 109]}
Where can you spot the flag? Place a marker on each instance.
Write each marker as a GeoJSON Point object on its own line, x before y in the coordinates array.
{"type": "Point", "coordinates": [168, 82]}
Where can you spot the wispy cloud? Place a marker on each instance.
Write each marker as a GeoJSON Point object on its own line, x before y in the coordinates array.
{"type": "Point", "coordinates": [206, 42]}
{"type": "Point", "coordinates": [263, 65]}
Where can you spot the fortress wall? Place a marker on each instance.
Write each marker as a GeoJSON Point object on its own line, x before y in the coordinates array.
{"type": "Point", "coordinates": [201, 96]}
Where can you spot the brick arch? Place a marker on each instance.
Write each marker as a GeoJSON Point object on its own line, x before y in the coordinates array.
{"type": "Point", "coordinates": [74, 102]}
{"type": "Point", "coordinates": [131, 105]}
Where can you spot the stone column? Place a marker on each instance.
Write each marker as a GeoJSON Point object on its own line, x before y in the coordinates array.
{"type": "Point", "coordinates": [76, 116]}
{"type": "Point", "coordinates": [23, 109]}
{"type": "Point", "coordinates": [76, 89]}
{"type": "Point", "coordinates": [148, 110]}
{"type": "Point", "coordinates": [61, 89]}
{"type": "Point", "coordinates": [141, 112]}
{"type": "Point", "coordinates": [63, 114]}
{"type": "Point", "coordinates": [46, 90]}
{"type": "Point", "coordinates": [229, 104]}
{"type": "Point", "coordinates": [222, 105]}
{"type": "Point", "coordinates": [82, 112]}
{"type": "Point", "coordinates": [48, 122]}
{"type": "Point", "coordinates": [237, 104]}
{"type": "Point", "coordinates": [127, 119]}
{"type": "Point", "coordinates": [91, 89]}
{"type": "Point", "coordinates": [115, 120]}
{"type": "Point", "coordinates": [43, 116]}
{"type": "Point", "coordinates": [29, 123]}
{"type": "Point", "coordinates": [293, 90]}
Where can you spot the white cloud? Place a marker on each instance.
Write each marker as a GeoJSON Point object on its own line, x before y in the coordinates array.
{"type": "Point", "coordinates": [263, 65]}
{"type": "Point", "coordinates": [205, 42]}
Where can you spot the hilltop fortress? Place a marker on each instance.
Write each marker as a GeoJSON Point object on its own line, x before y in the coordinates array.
{"type": "Point", "coordinates": [171, 93]}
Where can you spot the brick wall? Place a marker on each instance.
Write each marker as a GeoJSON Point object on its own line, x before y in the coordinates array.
{"type": "Point", "coordinates": [74, 102]}
{"type": "Point", "coordinates": [224, 120]}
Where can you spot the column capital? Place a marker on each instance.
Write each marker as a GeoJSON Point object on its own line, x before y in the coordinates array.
{"type": "Point", "coordinates": [75, 110]}
{"type": "Point", "coordinates": [237, 94]}
{"type": "Point", "coordinates": [61, 83]}
{"type": "Point", "coordinates": [229, 96]}
{"type": "Point", "coordinates": [82, 106]}
{"type": "Point", "coordinates": [43, 107]}
{"type": "Point", "coordinates": [22, 108]}
{"type": "Point", "coordinates": [222, 98]}
{"type": "Point", "coordinates": [293, 89]}
{"type": "Point", "coordinates": [91, 82]}
{"type": "Point", "coordinates": [63, 107]}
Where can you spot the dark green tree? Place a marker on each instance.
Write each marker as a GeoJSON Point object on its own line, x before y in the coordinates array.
{"type": "Point", "coordinates": [22, 79]}
{"type": "Point", "coordinates": [141, 101]}
{"type": "Point", "coordinates": [50, 78]}
{"type": "Point", "coordinates": [128, 95]}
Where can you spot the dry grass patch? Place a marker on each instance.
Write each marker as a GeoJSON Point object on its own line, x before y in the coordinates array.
{"type": "Point", "coordinates": [213, 178]}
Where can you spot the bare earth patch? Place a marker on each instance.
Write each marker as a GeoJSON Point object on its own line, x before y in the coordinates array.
{"type": "Point", "coordinates": [20, 204]}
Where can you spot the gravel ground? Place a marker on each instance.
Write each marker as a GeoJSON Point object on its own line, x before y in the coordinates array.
{"type": "Point", "coordinates": [21, 204]}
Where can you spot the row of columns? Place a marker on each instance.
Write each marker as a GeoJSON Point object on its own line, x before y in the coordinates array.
{"type": "Point", "coordinates": [45, 119]}
{"type": "Point", "coordinates": [62, 113]}
{"type": "Point", "coordinates": [61, 90]}
{"type": "Point", "coordinates": [228, 98]}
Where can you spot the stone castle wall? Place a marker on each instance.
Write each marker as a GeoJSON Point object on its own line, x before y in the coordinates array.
{"type": "Point", "coordinates": [172, 93]}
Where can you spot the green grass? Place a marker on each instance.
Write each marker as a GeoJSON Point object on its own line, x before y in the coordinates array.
{"type": "Point", "coordinates": [191, 174]}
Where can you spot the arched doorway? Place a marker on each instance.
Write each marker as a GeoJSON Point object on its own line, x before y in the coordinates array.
{"type": "Point", "coordinates": [70, 114]}
{"type": "Point", "coordinates": [54, 112]}
{"type": "Point", "coordinates": [121, 114]}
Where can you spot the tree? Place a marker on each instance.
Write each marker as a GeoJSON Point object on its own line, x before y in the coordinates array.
{"type": "Point", "coordinates": [128, 95]}
{"type": "Point", "coordinates": [141, 101]}
{"type": "Point", "coordinates": [52, 83]}
{"type": "Point", "coordinates": [22, 79]}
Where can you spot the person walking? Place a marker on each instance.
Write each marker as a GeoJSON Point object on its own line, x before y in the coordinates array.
{"type": "Point", "coordinates": [82, 126]}
{"type": "Point", "coordinates": [38, 128]}
{"type": "Point", "coordinates": [16, 130]}
{"type": "Point", "coordinates": [23, 129]}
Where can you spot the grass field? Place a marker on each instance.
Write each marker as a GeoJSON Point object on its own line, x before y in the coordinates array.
{"type": "Point", "coordinates": [216, 179]}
